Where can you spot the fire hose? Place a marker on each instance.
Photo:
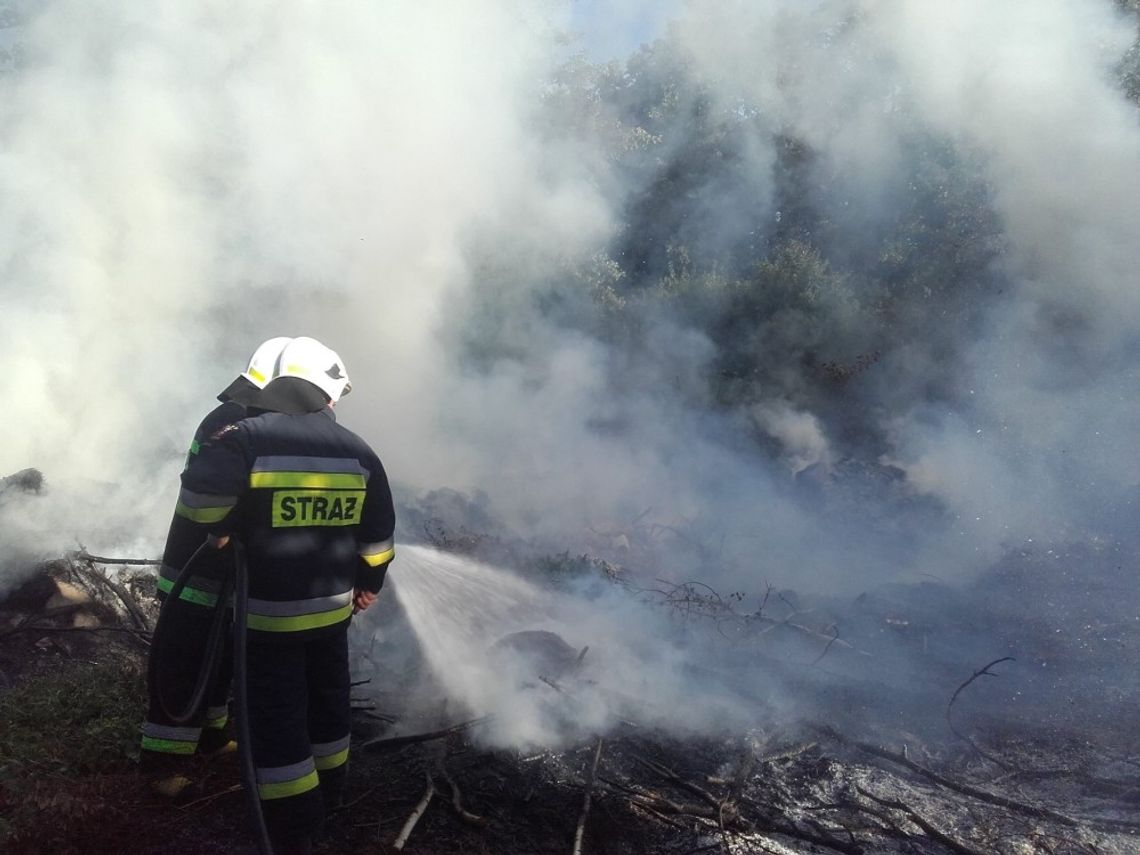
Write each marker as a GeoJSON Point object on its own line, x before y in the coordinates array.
{"type": "Point", "coordinates": [241, 699]}
{"type": "Point", "coordinates": [239, 583]}
{"type": "Point", "coordinates": [211, 657]}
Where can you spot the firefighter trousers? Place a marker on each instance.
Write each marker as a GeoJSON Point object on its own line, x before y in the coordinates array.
{"type": "Point", "coordinates": [185, 628]}
{"type": "Point", "coordinates": [299, 721]}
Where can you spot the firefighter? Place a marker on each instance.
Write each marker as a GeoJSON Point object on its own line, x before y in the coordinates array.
{"type": "Point", "coordinates": [166, 744]}
{"type": "Point", "coordinates": [310, 502]}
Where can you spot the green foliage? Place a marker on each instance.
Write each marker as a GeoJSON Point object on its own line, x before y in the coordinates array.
{"type": "Point", "coordinates": [745, 265]}
{"type": "Point", "coordinates": [802, 278]}
{"type": "Point", "coordinates": [77, 720]}
{"type": "Point", "coordinates": [65, 734]}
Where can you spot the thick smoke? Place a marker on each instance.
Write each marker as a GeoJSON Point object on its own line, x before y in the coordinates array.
{"type": "Point", "coordinates": [1038, 430]}
{"type": "Point", "coordinates": [179, 184]}
{"type": "Point", "coordinates": [534, 277]}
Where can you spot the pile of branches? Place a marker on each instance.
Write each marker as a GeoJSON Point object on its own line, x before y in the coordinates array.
{"type": "Point", "coordinates": [79, 594]}
{"type": "Point", "coordinates": [815, 790]}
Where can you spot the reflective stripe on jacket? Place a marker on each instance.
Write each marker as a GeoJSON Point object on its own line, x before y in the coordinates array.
{"type": "Point", "coordinates": [310, 501]}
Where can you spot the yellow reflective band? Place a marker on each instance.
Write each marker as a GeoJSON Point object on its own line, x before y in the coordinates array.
{"type": "Point", "coordinates": [297, 623]}
{"type": "Point", "coordinates": [309, 480]}
{"type": "Point", "coordinates": [168, 746]}
{"type": "Point", "coordinates": [379, 558]}
{"type": "Point", "coordinates": [284, 789]}
{"type": "Point", "coordinates": [217, 723]}
{"type": "Point", "coordinates": [323, 764]}
{"type": "Point", "coordinates": [202, 515]}
{"type": "Point", "coordinates": [255, 374]}
{"type": "Point", "coordinates": [317, 507]}
{"type": "Point", "coordinates": [332, 760]}
{"type": "Point", "coordinates": [190, 595]}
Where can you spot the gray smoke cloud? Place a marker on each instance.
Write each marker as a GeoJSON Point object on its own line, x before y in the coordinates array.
{"type": "Point", "coordinates": [178, 184]}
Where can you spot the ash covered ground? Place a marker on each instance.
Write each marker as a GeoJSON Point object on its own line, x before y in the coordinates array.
{"type": "Point", "coordinates": [806, 724]}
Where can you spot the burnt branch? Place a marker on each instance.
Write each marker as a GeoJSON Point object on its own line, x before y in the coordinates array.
{"type": "Point", "coordinates": [580, 831]}
{"type": "Point", "coordinates": [457, 797]}
{"type": "Point", "coordinates": [922, 822]}
{"type": "Point", "coordinates": [673, 778]}
{"type": "Point", "coordinates": [88, 571]}
{"type": "Point", "coordinates": [941, 780]}
{"type": "Point", "coordinates": [382, 743]}
{"type": "Point", "coordinates": [981, 672]}
{"type": "Point", "coordinates": [83, 555]}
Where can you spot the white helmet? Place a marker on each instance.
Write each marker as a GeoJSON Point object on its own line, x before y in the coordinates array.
{"type": "Point", "coordinates": [261, 368]}
{"type": "Point", "coordinates": [308, 359]}
{"type": "Point", "coordinates": [263, 363]}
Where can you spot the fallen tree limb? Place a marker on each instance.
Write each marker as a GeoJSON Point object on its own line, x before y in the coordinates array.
{"type": "Point", "coordinates": [645, 798]}
{"type": "Point", "coordinates": [381, 742]}
{"type": "Point", "coordinates": [834, 638]}
{"type": "Point", "coordinates": [965, 789]}
{"type": "Point", "coordinates": [415, 815]}
{"type": "Point", "coordinates": [84, 555]}
{"type": "Point", "coordinates": [204, 800]}
{"type": "Point", "coordinates": [129, 603]}
{"type": "Point", "coordinates": [922, 822]}
{"type": "Point", "coordinates": [580, 831]}
{"type": "Point", "coordinates": [671, 776]}
{"type": "Point", "coordinates": [795, 751]}
{"type": "Point", "coordinates": [457, 798]}
{"type": "Point", "coordinates": [657, 815]}
{"type": "Point", "coordinates": [984, 671]}
{"type": "Point", "coordinates": [830, 640]}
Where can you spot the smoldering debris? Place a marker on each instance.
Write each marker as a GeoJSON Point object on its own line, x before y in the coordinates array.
{"type": "Point", "coordinates": [860, 724]}
{"type": "Point", "coordinates": [807, 789]}
{"type": "Point", "coordinates": [815, 770]}
{"type": "Point", "coordinates": [77, 594]}
{"type": "Point", "coordinates": [25, 481]}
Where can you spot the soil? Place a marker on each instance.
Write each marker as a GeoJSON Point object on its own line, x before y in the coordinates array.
{"type": "Point", "coordinates": [831, 779]}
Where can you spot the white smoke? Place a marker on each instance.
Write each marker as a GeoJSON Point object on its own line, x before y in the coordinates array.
{"type": "Point", "coordinates": [800, 434]}
{"type": "Point", "coordinates": [1028, 88]}
{"type": "Point", "coordinates": [178, 183]}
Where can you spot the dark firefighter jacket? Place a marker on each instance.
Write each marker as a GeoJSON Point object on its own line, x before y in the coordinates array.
{"type": "Point", "coordinates": [311, 503]}
{"type": "Point", "coordinates": [188, 529]}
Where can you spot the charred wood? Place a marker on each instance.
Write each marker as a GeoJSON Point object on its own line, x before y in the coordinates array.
{"type": "Point", "coordinates": [580, 831]}
{"type": "Point", "coordinates": [84, 555]}
{"type": "Point", "coordinates": [922, 822]}
{"type": "Point", "coordinates": [941, 780]}
{"type": "Point", "coordinates": [88, 571]}
{"type": "Point", "coordinates": [984, 671]}
{"type": "Point", "coordinates": [384, 743]}
{"type": "Point", "coordinates": [457, 798]}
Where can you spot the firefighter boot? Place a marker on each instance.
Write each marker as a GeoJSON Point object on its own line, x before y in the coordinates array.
{"type": "Point", "coordinates": [216, 741]}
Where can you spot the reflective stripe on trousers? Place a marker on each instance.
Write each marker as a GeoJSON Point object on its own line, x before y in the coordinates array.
{"type": "Point", "coordinates": [330, 755]}
{"type": "Point", "coordinates": [279, 782]}
{"type": "Point", "coordinates": [165, 739]}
